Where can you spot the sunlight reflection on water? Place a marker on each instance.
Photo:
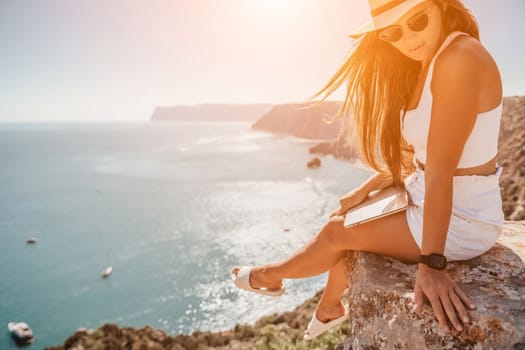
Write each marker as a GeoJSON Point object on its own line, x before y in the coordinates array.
{"type": "Point", "coordinates": [171, 222]}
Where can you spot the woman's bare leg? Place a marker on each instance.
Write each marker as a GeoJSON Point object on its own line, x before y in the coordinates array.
{"type": "Point", "coordinates": [388, 236]}
{"type": "Point", "coordinates": [330, 306]}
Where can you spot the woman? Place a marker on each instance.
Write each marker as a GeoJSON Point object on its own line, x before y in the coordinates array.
{"type": "Point", "coordinates": [426, 97]}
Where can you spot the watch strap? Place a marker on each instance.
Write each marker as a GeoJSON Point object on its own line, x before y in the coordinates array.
{"type": "Point", "coordinates": [433, 260]}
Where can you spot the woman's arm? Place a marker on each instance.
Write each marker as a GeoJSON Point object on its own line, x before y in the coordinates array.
{"type": "Point", "coordinates": [456, 88]}
{"type": "Point", "coordinates": [357, 195]}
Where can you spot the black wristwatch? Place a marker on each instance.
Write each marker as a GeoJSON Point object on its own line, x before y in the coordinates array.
{"type": "Point", "coordinates": [435, 261]}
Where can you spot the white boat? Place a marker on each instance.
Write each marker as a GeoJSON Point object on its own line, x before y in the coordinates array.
{"type": "Point", "coordinates": [107, 271]}
{"type": "Point", "coordinates": [20, 332]}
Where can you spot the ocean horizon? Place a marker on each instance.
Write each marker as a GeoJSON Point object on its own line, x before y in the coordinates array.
{"type": "Point", "coordinates": [170, 206]}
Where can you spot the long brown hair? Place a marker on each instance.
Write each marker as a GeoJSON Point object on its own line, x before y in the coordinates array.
{"type": "Point", "coordinates": [380, 81]}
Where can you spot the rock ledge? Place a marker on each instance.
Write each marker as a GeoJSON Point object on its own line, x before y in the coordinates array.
{"type": "Point", "coordinates": [381, 298]}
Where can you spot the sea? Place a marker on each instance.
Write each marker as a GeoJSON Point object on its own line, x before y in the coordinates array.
{"type": "Point", "coordinates": [171, 206]}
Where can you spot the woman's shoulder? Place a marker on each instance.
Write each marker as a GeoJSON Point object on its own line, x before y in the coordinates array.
{"type": "Point", "coordinates": [466, 68]}
{"type": "Point", "coordinates": [464, 52]}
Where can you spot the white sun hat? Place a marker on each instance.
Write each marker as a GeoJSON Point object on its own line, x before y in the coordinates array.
{"type": "Point", "coordinates": [384, 13]}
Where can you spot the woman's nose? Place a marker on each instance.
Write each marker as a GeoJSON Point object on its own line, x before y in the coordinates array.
{"type": "Point", "coordinates": [410, 39]}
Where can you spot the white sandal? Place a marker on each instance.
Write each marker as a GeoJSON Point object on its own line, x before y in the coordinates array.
{"type": "Point", "coordinates": [316, 327]}
{"type": "Point", "coordinates": [242, 280]}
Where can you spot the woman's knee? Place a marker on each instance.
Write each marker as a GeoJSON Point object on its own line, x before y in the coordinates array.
{"type": "Point", "coordinates": [332, 232]}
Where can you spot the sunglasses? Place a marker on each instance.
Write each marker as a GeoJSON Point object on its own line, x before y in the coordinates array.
{"type": "Point", "coordinates": [416, 23]}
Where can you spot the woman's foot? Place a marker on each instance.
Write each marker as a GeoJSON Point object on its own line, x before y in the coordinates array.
{"type": "Point", "coordinates": [325, 317]}
{"type": "Point", "coordinates": [327, 312]}
{"type": "Point", "coordinates": [260, 278]}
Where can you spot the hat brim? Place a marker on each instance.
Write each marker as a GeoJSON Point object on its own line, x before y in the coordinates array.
{"type": "Point", "coordinates": [362, 29]}
{"type": "Point", "coordinates": [385, 19]}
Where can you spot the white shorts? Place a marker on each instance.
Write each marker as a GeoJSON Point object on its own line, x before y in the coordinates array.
{"type": "Point", "coordinates": [477, 215]}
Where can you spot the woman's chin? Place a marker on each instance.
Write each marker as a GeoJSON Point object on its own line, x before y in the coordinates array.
{"type": "Point", "coordinates": [417, 56]}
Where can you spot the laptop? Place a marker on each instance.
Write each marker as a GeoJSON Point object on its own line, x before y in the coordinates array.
{"type": "Point", "coordinates": [379, 203]}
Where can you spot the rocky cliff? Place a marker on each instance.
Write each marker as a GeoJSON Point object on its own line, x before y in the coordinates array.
{"type": "Point", "coordinates": [210, 112]}
{"type": "Point", "coordinates": [512, 157]}
{"type": "Point", "coordinates": [301, 120]}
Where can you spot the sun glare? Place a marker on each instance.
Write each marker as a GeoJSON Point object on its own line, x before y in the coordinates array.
{"type": "Point", "coordinates": [276, 7]}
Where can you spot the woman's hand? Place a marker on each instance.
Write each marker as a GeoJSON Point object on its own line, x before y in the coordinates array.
{"type": "Point", "coordinates": [444, 295]}
{"type": "Point", "coordinates": [349, 201]}
{"type": "Point", "coordinates": [359, 194]}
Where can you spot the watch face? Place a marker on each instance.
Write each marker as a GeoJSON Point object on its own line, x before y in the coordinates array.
{"type": "Point", "coordinates": [437, 261]}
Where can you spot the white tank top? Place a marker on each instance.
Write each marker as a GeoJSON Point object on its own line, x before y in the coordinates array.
{"type": "Point", "coordinates": [482, 144]}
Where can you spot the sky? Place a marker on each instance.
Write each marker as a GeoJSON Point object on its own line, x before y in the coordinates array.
{"type": "Point", "coordinates": [116, 60]}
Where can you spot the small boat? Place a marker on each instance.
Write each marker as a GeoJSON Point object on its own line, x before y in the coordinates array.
{"type": "Point", "coordinates": [107, 271]}
{"type": "Point", "coordinates": [21, 332]}
{"type": "Point", "coordinates": [31, 240]}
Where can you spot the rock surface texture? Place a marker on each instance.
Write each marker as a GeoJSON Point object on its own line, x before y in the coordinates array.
{"type": "Point", "coordinates": [511, 155]}
{"type": "Point", "coordinates": [381, 299]}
